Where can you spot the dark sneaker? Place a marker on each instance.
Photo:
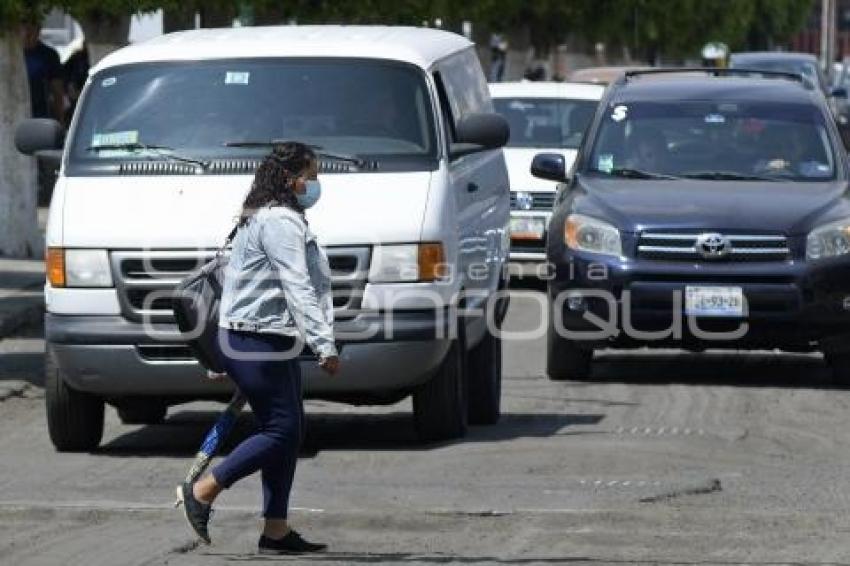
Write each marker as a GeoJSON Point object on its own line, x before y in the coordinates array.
{"type": "Point", "coordinates": [197, 513]}
{"type": "Point", "coordinates": [292, 543]}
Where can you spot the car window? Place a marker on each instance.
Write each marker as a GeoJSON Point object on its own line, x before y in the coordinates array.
{"type": "Point", "coordinates": [807, 69]}
{"type": "Point", "coordinates": [465, 86]}
{"type": "Point", "coordinates": [546, 122]}
{"type": "Point", "coordinates": [196, 107]}
{"type": "Point", "coordinates": [758, 139]}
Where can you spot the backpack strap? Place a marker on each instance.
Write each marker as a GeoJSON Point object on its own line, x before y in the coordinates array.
{"type": "Point", "coordinates": [231, 235]}
{"type": "Point", "coordinates": [227, 240]}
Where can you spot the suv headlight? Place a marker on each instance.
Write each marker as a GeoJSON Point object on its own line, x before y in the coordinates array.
{"type": "Point", "coordinates": [829, 240]}
{"type": "Point", "coordinates": [407, 263]}
{"type": "Point", "coordinates": [588, 234]}
{"type": "Point", "coordinates": [78, 268]}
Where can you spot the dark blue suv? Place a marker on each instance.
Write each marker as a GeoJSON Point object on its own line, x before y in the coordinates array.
{"type": "Point", "coordinates": [706, 209]}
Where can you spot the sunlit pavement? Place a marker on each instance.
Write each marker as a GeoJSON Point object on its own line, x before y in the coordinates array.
{"type": "Point", "coordinates": [663, 458]}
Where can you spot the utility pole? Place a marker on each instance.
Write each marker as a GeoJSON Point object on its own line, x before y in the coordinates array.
{"type": "Point", "coordinates": [827, 35]}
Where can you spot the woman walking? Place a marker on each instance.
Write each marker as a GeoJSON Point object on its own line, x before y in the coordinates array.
{"type": "Point", "coordinates": [276, 292]}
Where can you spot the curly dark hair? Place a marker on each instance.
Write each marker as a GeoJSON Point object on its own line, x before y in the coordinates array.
{"type": "Point", "coordinates": [275, 178]}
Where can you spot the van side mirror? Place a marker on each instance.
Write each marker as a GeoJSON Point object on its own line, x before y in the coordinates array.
{"type": "Point", "coordinates": [38, 134]}
{"type": "Point", "coordinates": [550, 166]}
{"type": "Point", "coordinates": [479, 132]}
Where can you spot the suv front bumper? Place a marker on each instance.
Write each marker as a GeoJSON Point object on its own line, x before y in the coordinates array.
{"type": "Point", "coordinates": [792, 305]}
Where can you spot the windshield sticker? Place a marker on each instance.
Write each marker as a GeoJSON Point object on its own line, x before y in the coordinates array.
{"type": "Point", "coordinates": [108, 81]}
{"type": "Point", "coordinates": [115, 138]}
{"type": "Point", "coordinates": [620, 112]}
{"type": "Point", "coordinates": [237, 77]}
{"type": "Point", "coordinates": [605, 163]}
{"type": "Point", "coordinates": [715, 119]}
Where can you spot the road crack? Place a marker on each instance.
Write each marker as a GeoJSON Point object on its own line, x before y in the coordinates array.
{"type": "Point", "coordinates": [711, 487]}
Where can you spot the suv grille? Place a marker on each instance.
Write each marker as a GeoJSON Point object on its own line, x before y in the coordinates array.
{"type": "Point", "coordinates": [144, 278]}
{"type": "Point", "coordinates": [532, 201]}
{"type": "Point", "coordinates": [738, 247]}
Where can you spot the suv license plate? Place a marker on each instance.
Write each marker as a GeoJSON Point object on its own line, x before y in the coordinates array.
{"type": "Point", "coordinates": [714, 301]}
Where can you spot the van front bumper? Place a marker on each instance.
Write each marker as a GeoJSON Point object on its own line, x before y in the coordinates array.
{"type": "Point", "coordinates": [113, 357]}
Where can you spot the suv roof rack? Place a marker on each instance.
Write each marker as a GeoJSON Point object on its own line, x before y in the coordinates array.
{"type": "Point", "coordinates": [717, 72]}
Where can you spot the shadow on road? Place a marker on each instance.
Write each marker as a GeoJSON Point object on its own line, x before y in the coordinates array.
{"type": "Point", "coordinates": [22, 366]}
{"type": "Point", "coordinates": [747, 369]}
{"type": "Point", "coordinates": [181, 434]}
{"type": "Point", "coordinates": [403, 557]}
{"type": "Point", "coordinates": [527, 284]}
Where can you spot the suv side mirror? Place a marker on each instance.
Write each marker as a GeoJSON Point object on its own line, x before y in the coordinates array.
{"type": "Point", "coordinates": [550, 166]}
{"type": "Point", "coordinates": [838, 92]}
{"type": "Point", "coordinates": [38, 134]}
{"type": "Point", "coordinates": [478, 132]}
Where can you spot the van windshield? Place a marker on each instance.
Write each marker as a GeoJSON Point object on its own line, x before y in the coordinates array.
{"type": "Point", "coordinates": [714, 140]}
{"type": "Point", "coordinates": [374, 109]}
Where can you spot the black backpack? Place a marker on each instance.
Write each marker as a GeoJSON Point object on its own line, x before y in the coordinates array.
{"type": "Point", "coordinates": [196, 303]}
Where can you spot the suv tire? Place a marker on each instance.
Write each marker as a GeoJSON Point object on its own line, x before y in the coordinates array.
{"type": "Point", "coordinates": [839, 363]}
{"type": "Point", "coordinates": [74, 418]}
{"type": "Point", "coordinates": [566, 359]}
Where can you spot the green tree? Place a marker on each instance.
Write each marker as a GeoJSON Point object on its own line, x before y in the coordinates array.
{"type": "Point", "coordinates": [679, 28]}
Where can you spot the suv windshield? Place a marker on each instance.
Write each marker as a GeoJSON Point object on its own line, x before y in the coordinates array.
{"type": "Point", "coordinates": [714, 140]}
{"type": "Point", "coordinates": [545, 122]}
{"type": "Point", "coordinates": [359, 107]}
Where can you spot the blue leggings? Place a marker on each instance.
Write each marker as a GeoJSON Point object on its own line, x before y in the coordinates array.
{"type": "Point", "coordinates": [273, 389]}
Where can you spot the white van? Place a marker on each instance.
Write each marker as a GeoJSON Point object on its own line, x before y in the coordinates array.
{"type": "Point", "coordinates": [543, 116]}
{"type": "Point", "coordinates": [160, 155]}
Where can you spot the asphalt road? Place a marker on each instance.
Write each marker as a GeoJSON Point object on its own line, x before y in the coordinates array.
{"type": "Point", "coordinates": [667, 458]}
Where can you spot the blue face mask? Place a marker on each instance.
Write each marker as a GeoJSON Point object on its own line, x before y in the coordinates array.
{"type": "Point", "coordinates": [311, 194]}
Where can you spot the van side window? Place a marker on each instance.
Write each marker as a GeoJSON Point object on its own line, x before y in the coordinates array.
{"type": "Point", "coordinates": [465, 85]}
{"type": "Point", "coordinates": [445, 109]}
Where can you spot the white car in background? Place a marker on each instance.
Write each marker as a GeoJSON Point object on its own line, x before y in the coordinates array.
{"type": "Point", "coordinates": [543, 116]}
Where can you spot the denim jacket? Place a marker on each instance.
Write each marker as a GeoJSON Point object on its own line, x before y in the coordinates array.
{"type": "Point", "coordinates": [278, 281]}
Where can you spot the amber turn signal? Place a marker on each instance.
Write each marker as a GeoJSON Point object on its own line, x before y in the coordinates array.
{"type": "Point", "coordinates": [432, 262]}
{"type": "Point", "coordinates": [56, 267]}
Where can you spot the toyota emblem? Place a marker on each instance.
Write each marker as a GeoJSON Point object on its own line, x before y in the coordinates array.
{"type": "Point", "coordinates": [524, 201]}
{"type": "Point", "coordinates": [713, 246]}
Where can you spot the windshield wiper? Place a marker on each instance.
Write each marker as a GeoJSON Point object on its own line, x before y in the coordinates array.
{"type": "Point", "coordinates": [727, 176]}
{"type": "Point", "coordinates": [320, 152]}
{"type": "Point", "coordinates": [160, 150]}
{"type": "Point", "coordinates": [634, 173]}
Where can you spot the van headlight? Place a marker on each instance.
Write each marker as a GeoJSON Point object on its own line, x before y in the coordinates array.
{"type": "Point", "coordinates": [78, 268]}
{"type": "Point", "coordinates": [829, 240]}
{"type": "Point", "coordinates": [587, 234]}
{"type": "Point", "coordinates": [407, 263]}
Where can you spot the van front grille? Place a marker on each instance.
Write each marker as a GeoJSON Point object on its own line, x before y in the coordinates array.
{"type": "Point", "coordinates": [145, 280]}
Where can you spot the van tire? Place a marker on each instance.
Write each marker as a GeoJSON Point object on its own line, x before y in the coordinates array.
{"type": "Point", "coordinates": [439, 405]}
{"type": "Point", "coordinates": [485, 381]}
{"type": "Point", "coordinates": [74, 418]}
{"type": "Point", "coordinates": [565, 359]}
{"type": "Point", "coordinates": [141, 411]}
